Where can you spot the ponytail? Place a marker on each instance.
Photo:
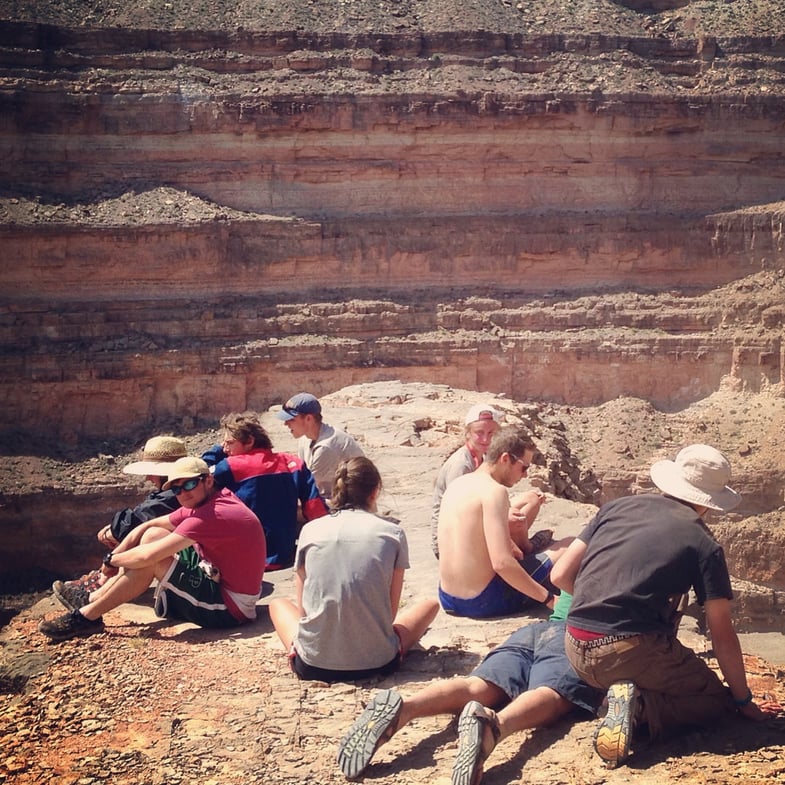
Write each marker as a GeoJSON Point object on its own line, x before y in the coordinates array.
{"type": "Point", "coordinates": [354, 483]}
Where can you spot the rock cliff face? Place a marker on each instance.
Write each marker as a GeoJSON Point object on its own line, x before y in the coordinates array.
{"type": "Point", "coordinates": [200, 221]}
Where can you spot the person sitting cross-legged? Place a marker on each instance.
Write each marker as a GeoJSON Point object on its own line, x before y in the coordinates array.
{"type": "Point", "coordinates": [524, 683]}
{"type": "Point", "coordinates": [349, 573]}
{"type": "Point", "coordinates": [208, 557]}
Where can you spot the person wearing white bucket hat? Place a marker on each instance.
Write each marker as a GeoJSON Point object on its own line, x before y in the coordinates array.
{"type": "Point", "coordinates": [158, 454]}
{"type": "Point", "coordinates": [630, 571]}
{"type": "Point", "coordinates": [207, 556]}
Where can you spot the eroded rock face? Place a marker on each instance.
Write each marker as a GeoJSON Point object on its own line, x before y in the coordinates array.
{"type": "Point", "coordinates": [220, 214]}
{"type": "Point", "coordinates": [583, 214]}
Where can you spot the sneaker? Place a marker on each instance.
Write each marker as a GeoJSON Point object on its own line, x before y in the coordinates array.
{"type": "Point", "coordinates": [613, 737]}
{"type": "Point", "coordinates": [73, 596]}
{"type": "Point", "coordinates": [89, 582]}
{"type": "Point", "coordinates": [70, 625]}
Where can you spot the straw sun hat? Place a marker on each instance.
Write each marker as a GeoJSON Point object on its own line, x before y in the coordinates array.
{"type": "Point", "coordinates": [158, 455]}
{"type": "Point", "coordinates": [698, 475]}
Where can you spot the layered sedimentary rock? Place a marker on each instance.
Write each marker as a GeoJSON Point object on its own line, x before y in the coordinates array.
{"type": "Point", "coordinates": [321, 209]}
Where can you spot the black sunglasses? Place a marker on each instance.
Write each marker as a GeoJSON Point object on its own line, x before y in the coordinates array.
{"type": "Point", "coordinates": [188, 485]}
{"type": "Point", "coordinates": [515, 459]}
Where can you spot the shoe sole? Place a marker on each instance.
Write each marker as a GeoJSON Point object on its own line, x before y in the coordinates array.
{"type": "Point", "coordinates": [613, 737]}
{"type": "Point", "coordinates": [467, 761]}
{"type": "Point", "coordinates": [363, 738]}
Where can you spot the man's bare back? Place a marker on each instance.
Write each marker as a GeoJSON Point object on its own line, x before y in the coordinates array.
{"type": "Point", "coordinates": [474, 509]}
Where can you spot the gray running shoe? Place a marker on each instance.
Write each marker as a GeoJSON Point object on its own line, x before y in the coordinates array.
{"type": "Point", "coordinates": [71, 596]}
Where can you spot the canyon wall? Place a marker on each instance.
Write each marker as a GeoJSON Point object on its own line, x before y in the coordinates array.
{"type": "Point", "coordinates": [196, 222]}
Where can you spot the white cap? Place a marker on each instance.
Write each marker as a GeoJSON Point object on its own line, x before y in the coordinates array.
{"type": "Point", "coordinates": [481, 411]}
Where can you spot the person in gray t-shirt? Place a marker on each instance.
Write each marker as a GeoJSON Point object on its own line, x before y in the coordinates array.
{"type": "Point", "coordinates": [345, 623]}
{"type": "Point", "coordinates": [320, 446]}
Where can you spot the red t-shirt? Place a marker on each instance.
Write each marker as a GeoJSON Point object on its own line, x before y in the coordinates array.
{"type": "Point", "coordinates": [228, 535]}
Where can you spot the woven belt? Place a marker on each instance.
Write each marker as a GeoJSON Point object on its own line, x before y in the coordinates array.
{"type": "Point", "coordinates": [604, 641]}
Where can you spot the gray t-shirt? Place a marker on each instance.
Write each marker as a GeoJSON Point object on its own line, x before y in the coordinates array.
{"type": "Point", "coordinates": [459, 463]}
{"type": "Point", "coordinates": [323, 454]}
{"type": "Point", "coordinates": [349, 558]}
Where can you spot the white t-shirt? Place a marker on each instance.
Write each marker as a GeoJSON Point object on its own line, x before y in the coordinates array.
{"type": "Point", "coordinates": [323, 454]}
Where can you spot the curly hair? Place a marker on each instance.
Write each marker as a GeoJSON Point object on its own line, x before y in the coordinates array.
{"type": "Point", "coordinates": [244, 426]}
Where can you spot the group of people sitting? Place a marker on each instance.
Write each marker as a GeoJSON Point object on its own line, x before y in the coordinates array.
{"type": "Point", "coordinates": [216, 523]}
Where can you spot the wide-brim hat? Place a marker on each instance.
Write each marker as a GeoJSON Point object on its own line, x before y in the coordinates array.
{"type": "Point", "coordinates": [158, 455]}
{"type": "Point", "coordinates": [699, 475]}
{"type": "Point", "coordinates": [186, 469]}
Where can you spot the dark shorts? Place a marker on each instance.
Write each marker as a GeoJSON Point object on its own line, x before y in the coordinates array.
{"type": "Point", "coordinates": [533, 656]}
{"type": "Point", "coordinates": [498, 598]}
{"type": "Point", "coordinates": [311, 673]}
{"type": "Point", "coordinates": [185, 592]}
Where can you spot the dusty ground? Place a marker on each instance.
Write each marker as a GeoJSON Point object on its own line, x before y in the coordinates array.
{"type": "Point", "coordinates": [152, 702]}
{"type": "Point", "coordinates": [675, 18]}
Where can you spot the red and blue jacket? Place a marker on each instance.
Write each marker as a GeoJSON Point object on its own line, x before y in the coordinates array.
{"type": "Point", "coordinates": [271, 484]}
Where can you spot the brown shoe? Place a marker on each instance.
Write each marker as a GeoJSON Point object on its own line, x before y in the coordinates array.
{"type": "Point", "coordinates": [70, 625]}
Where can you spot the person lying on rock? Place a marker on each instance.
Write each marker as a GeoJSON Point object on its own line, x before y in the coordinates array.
{"type": "Point", "coordinates": [157, 456]}
{"type": "Point", "coordinates": [275, 485]}
{"type": "Point", "coordinates": [628, 568]}
{"type": "Point", "coordinates": [481, 572]}
{"type": "Point", "coordinates": [480, 426]}
{"type": "Point", "coordinates": [524, 683]}
{"type": "Point", "coordinates": [345, 623]}
{"type": "Point", "coordinates": [208, 557]}
{"type": "Point", "coordinates": [320, 446]}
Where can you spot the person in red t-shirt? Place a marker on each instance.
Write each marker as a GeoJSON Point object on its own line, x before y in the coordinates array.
{"type": "Point", "coordinates": [208, 557]}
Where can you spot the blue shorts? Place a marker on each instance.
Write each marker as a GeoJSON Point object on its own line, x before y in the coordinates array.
{"type": "Point", "coordinates": [533, 656]}
{"type": "Point", "coordinates": [498, 598]}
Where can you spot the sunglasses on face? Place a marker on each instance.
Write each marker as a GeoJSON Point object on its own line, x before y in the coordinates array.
{"type": "Point", "coordinates": [524, 466]}
{"type": "Point", "coordinates": [188, 485]}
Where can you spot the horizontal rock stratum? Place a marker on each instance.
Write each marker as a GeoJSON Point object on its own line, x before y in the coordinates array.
{"type": "Point", "coordinates": [196, 220]}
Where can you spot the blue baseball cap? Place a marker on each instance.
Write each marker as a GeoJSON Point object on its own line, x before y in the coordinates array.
{"type": "Point", "coordinates": [302, 403]}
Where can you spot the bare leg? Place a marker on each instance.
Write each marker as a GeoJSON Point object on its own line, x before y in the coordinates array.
{"type": "Point", "coordinates": [555, 550]}
{"type": "Point", "coordinates": [412, 622]}
{"type": "Point", "coordinates": [524, 508]}
{"type": "Point", "coordinates": [532, 709]}
{"type": "Point", "coordinates": [449, 697]}
{"type": "Point", "coordinates": [285, 618]}
{"type": "Point", "coordinates": [128, 584]}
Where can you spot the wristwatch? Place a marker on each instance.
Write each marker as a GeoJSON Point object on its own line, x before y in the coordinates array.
{"type": "Point", "coordinates": [107, 561]}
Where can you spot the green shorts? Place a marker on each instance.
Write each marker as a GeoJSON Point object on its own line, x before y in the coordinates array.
{"type": "Point", "coordinates": [185, 592]}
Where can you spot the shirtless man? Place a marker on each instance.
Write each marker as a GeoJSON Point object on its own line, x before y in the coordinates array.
{"type": "Point", "coordinates": [481, 424]}
{"type": "Point", "coordinates": [482, 572]}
